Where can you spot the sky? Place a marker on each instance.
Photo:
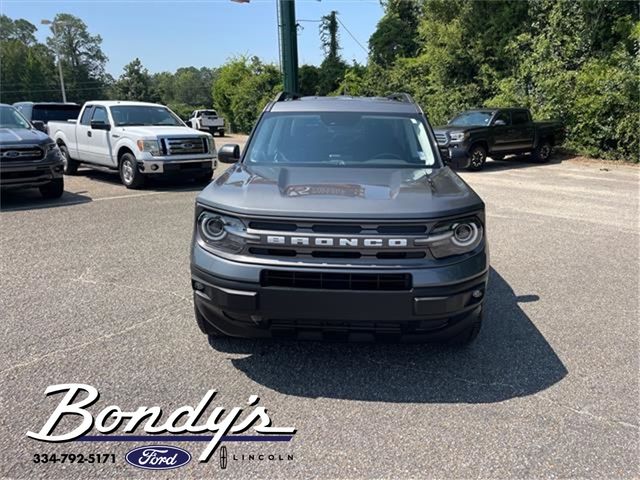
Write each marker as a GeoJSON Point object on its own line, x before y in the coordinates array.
{"type": "Point", "coordinates": [168, 34]}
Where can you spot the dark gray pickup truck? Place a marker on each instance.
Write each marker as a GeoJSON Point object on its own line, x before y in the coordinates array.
{"type": "Point", "coordinates": [339, 220]}
{"type": "Point", "coordinates": [28, 157]}
{"type": "Point", "coordinates": [476, 134]}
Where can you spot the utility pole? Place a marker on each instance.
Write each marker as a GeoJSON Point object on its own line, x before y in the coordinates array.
{"type": "Point", "coordinates": [288, 34]}
{"type": "Point", "coordinates": [289, 45]}
{"type": "Point", "coordinates": [55, 35]}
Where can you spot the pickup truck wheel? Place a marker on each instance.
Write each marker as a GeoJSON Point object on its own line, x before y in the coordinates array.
{"type": "Point", "coordinates": [221, 133]}
{"type": "Point", "coordinates": [53, 189]}
{"type": "Point", "coordinates": [477, 158]}
{"type": "Point", "coordinates": [129, 174]}
{"type": "Point", "coordinates": [542, 152]}
{"type": "Point", "coordinates": [70, 165]}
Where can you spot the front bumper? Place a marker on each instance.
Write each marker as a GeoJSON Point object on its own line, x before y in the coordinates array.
{"type": "Point", "coordinates": [29, 174]}
{"type": "Point", "coordinates": [441, 302]}
{"type": "Point", "coordinates": [164, 165]}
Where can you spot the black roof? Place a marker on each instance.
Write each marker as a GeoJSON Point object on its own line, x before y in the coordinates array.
{"type": "Point", "coordinates": [396, 103]}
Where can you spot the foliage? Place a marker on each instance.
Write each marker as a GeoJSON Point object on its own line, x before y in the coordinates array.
{"type": "Point", "coordinates": [242, 89]}
{"type": "Point", "coordinates": [135, 84]}
{"type": "Point", "coordinates": [83, 60]}
{"type": "Point", "coordinates": [397, 32]}
{"type": "Point", "coordinates": [574, 60]}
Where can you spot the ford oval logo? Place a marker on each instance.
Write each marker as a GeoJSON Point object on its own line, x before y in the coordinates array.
{"type": "Point", "coordinates": [158, 457]}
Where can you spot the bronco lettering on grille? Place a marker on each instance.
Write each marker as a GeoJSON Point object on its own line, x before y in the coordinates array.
{"type": "Point", "coordinates": [354, 242]}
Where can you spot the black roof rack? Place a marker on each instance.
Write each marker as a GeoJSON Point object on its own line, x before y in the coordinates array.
{"type": "Point", "coordinates": [401, 97]}
{"type": "Point", "coordinates": [282, 96]}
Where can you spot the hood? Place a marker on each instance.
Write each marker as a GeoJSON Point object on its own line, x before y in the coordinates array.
{"type": "Point", "coordinates": [18, 136]}
{"type": "Point", "coordinates": [159, 131]}
{"type": "Point", "coordinates": [340, 192]}
{"type": "Point", "coordinates": [452, 128]}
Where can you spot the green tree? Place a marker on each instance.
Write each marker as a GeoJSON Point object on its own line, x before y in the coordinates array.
{"type": "Point", "coordinates": [242, 88]}
{"type": "Point", "coordinates": [135, 84]}
{"type": "Point", "coordinates": [19, 29]}
{"type": "Point", "coordinates": [396, 34]}
{"type": "Point", "coordinates": [309, 76]}
{"type": "Point", "coordinates": [82, 58]}
{"type": "Point", "coordinates": [332, 67]}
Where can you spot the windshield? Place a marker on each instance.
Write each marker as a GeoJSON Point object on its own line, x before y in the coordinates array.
{"type": "Point", "coordinates": [341, 138]}
{"type": "Point", "coordinates": [130, 115]}
{"type": "Point", "coordinates": [476, 119]}
{"type": "Point", "coordinates": [60, 113]}
{"type": "Point", "coordinates": [10, 118]}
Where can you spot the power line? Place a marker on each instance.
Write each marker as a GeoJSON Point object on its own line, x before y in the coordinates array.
{"type": "Point", "coordinates": [352, 36]}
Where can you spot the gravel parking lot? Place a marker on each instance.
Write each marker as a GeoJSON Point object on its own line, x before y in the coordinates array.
{"type": "Point", "coordinates": [96, 289]}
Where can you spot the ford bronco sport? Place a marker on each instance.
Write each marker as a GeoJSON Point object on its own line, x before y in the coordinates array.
{"type": "Point", "coordinates": [340, 220]}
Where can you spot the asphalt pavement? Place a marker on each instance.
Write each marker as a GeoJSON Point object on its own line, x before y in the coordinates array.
{"type": "Point", "coordinates": [96, 290]}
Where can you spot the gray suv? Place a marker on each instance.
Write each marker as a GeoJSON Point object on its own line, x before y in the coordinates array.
{"type": "Point", "coordinates": [340, 221]}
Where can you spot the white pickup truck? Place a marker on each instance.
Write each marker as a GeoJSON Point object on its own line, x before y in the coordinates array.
{"type": "Point", "coordinates": [207, 120]}
{"type": "Point", "coordinates": [137, 139]}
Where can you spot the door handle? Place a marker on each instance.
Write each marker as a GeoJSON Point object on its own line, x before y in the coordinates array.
{"type": "Point", "coordinates": [88, 134]}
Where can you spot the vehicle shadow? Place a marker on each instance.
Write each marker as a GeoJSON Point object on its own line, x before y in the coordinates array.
{"type": "Point", "coordinates": [521, 161]}
{"type": "Point", "coordinates": [168, 184]}
{"type": "Point", "coordinates": [510, 358]}
{"type": "Point", "coordinates": [30, 199]}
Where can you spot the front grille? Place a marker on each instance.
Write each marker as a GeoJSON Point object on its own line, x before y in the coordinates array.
{"type": "Point", "coordinates": [340, 229]}
{"type": "Point", "coordinates": [336, 281]}
{"type": "Point", "coordinates": [441, 138]}
{"type": "Point", "coordinates": [309, 239]}
{"type": "Point", "coordinates": [185, 146]}
{"type": "Point", "coordinates": [21, 153]}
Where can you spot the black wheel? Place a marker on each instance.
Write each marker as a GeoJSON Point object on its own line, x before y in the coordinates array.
{"type": "Point", "coordinates": [206, 327]}
{"type": "Point", "coordinates": [477, 158]}
{"type": "Point", "coordinates": [53, 189]}
{"type": "Point", "coordinates": [542, 152]}
{"type": "Point", "coordinates": [221, 133]}
{"type": "Point", "coordinates": [70, 165]}
{"type": "Point", "coordinates": [129, 173]}
{"type": "Point", "coordinates": [469, 334]}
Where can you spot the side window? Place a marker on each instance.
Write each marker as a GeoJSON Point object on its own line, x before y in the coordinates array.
{"type": "Point", "coordinates": [504, 116]}
{"type": "Point", "coordinates": [520, 117]}
{"type": "Point", "coordinates": [86, 115]}
{"type": "Point", "coordinates": [100, 115]}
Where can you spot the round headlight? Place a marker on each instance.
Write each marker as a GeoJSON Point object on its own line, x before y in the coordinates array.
{"type": "Point", "coordinates": [214, 228]}
{"type": "Point", "coordinates": [465, 234]}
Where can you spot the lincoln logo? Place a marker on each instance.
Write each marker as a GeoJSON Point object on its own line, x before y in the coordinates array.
{"type": "Point", "coordinates": [336, 242]}
{"type": "Point", "coordinates": [223, 457]}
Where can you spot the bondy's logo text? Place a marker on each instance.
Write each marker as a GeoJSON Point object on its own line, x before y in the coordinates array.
{"type": "Point", "coordinates": [221, 422]}
{"type": "Point", "coordinates": [158, 457]}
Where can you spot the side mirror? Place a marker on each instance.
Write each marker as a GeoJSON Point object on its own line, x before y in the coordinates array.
{"type": "Point", "coordinates": [39, 125]}
{"type": "Point", "coordinates": [456, 158]}
{"type": "Point", "coordinates": [100, 126]}
{"type": "Point", "coordinates": [229, 153]}
{"type": "Point", "coordinates": [499, 123]}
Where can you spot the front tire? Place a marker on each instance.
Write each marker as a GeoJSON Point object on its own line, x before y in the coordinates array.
{"type": "Point", "coordinates": [542, 152]}
{"type": "Point", "coordinates": [52, 190]}
{"type": "Point", "coordinates": [477, 158]}
{"type": "Point", "coordinates": [70, 165]}
{"type": "Point", "coordinates": [129, 173]}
